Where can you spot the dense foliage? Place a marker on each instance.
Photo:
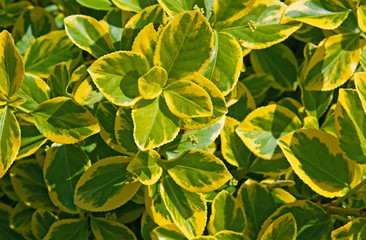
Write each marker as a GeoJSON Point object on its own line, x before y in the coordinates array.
{"type": "Point", "coordinates": [182, 119]}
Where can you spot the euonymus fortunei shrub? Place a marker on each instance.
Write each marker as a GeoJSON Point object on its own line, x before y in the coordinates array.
{"type": "Point", "coordinates": [189, 119]}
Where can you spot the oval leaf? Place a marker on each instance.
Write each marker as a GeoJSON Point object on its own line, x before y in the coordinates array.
{"type": "Point", "coordinates": [116, 76]}
{"type": "Point", "coordinates": [152, 83]}
{"type": "Point", "coordinates": [63, 121]}
{"type": "Point", "coordinates": [107, 229]}
{"type": "Point", "coordinates": [185, 45]}
{"type": "Point", "coordinates": [88, 34]}
{"type": "Point", "coordinates": [262, 127]}
{"type": "Point", "coordinates": [283, 227]}
{"type": "Point", "coordinates": [106, 185]}
{"type": "Point", "coordinates": [146, 166]}
{"type": "Point", "coordinates": [318, 160]}
{"type": "Point", "coordinates": [68, 229]}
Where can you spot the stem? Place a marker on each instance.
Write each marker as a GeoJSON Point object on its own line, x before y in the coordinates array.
{"type": "Point", "coordinates": [278, 183]}
{"type": "Point", "coordinates": [23, 109]}
{"type": "Point", "coordinates": [356, 212]}
{"type": "Point", "coordinates": [350, 192]}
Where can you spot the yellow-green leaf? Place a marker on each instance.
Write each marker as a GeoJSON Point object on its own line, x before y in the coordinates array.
{"type": "Point", "coordinates": [133, 5]}
{"type": "Point", "coordinates": [106, 229]}
{"type": "Point", "coordinates": [47, 51]}
{"type": "Point", "coordinates": [187, 209]}
{"type": "Point", "coordinates": [167, 232]}
{"type": "Point", "coordinates": [41, 222]}
{"type": "Point", "coordinates": [9, 139]}
{"type": "Point", "coordinates": [198, 171]}
{"type": "Point", "coordinates": [229, 235]}
{"type": "Point", "coordinates": [154, 124]}
{"type": "Point", "coordinates": [151, 84]}
{"type": "Point", "coordinates": [123, 128]}
{"type": "Point", "coordinates": [355, 229]}
{"type": "Point", "coordinates": [31, 140]}
{"type": "Point", "coordinates": [185, 45]}
{"type": "Point", "coordinates": [283, 227]}
{"type": "Point", "coordinates": [20, 218]}
{"type": "Point", "coordinates": [227, 214]}
{"type": "Point", "coordinates": [218, 103]}
{"type": "Point", "coordinates": [146, 166]}
{"type": "Point", "coordinates": [318, 13]}
{"type": "Point", "coordinates": [186, 99]}
{"type": "Point", "coordinates": [318, 160]}
{"type": "Point", "coordinates": [106, 185]}
{"type": "Point", "coordinates": [229, 11]}
{"type": "Point", "coordinates": [261, 27]}
{"type": "Point", "coordinates": [63, 121]}
{"type": "Point", "coordinates": [333, 62]}
{"type": "Point", "coordinates": [68, 229]}
{"type": "Point", "coordinates": [226, 62]}
{"type": "Point", "coordinates": [88, 34]}
{"type": "Point", "coordinates": [174, 7]}
{"type": "Point", "coordinates": [145, 42]}
{"type": "Point", "coordinates": [11, 66]}
{"type": "Point", "coordinates": [5, 229]}
{"type": "Point", "coordinates": [311, 220]}
{"type": "Point", "coordinates": [61, 184]}
{"type": "Point", "coordinates": [350, 122]}
{"type": "Point", "coordinates": [279, 62]}
{"type": "Point", "coordinates": [58, 80]}
{"type": "Point", "coordinates": [116, 76]}
{"type": "Point", "coordinates": [360, 82]}
{"type": "Point", "coordinates": [262, 127]}
{"type": "Point", "coordinates": [27, 180]}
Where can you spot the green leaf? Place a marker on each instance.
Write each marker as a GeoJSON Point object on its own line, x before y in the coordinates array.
{"type": "Point", "coordinates": [167, 232]}
{"type": "Point", "coordinates": [153, 14]}
{"type": "Point", "coordinates": [68, 229]}
{"type": "Point", "coordinates": [262, 127]}
{"type": "Point", "coordinates": [107, 229]}
{"type": "Point", "coordinates": [261, 27]}
{"type": "Point", "coordinates": [5, 229]}
{"type": "Point", "coordinates": [258, 84]}
{"type": "Point", "coordinates": [58, 80]}
{"type": "Point", "coordinates": [318, 160]}
{"type": "Point", "coordinates": [361, 17]}
{"type": "Point", "coordinates": [240, 102]}
{"type": "Point", "coordinates": [311, 220]}
{"type": "Point", "coordinates": [106, 185]}
{"type": "Point", "coordinates": [194, 139]}
{"type": "Point", "coordinates": [61, 184]}
{"type": "Point", "coordinates": [155, 205]}
{"type": "Point", "coordinates": [133, 5]}
{"type": "Point", "coordinates": [354, 229]}
{"type": "Point", "coordinates": [41, 222]}
{"type": "Point", "coordinates": [31, 140]}
{"type": "Point", "coordinates": [229, 11]}
{"type": "Point", "coordinates": [123, 128]}
{"type": "Point", "coordinates": [88, 34]}
{"type": "Point", "coordinates": [318, 13]}
{"type": "Point", "coordinates": [197, 171]}
{"type": "Point", "coordinates": [147, 225]}
{"type": "Point", "coordinates": [116, 76]}
{"type": "Point", "coordinates": [218, 103]}
{"type": "Point", "coordinates": [107, 118]}
{"type": "Point", "coordinates": [20, 218]}
{"type": "Point", "coordinates": [350, 122]}
{"type": "Point", "coordinates": [9, 139]}
{"type": "Point", "coordinates": [185, 45]}
{"type": "Point", "coordinates": [187, 209]}
{"type": "Point", "coordinates": [146, 166]}
{"type": "Point", "coordinates": [283, 227]}
{"type": "Point", "coordinates": [32, 23]}
{"type": "Point", "coordinates": [272, 168]}
{"type": "Point", "coordinates": [27, 180]}
{"type": "Point", "coordinates": [96, 4]}
{"type": "Point", "coordinates": [227, 214]}
{"type": "Point", "coordinates": [154, 125]}
{"type": "Point", "coordinates": [145, 42]}
{"type": "Point", "coordinates": [279, 62]}
{"type": "Point", "coordinates": [47, 51]}
{"type": "Point", "coordinates": [63, 121]}
{"type": "Point", "coordinates": [11, 66]}
{"type": "Point", "coordinates": [186, 99]}
{"type": "Point", "coordinates": [226, 62]}
{"type": "Point", "coordinates": [151, 84]}
{"type": "Point", "coordinates": [233, 149]}
{"type": "Point", "coordinates": [258, 205]}
{"type": "Point", "coordinates": [34, 90]}
{"type": "Point", "coordinates": [333, 62]}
